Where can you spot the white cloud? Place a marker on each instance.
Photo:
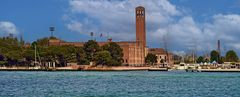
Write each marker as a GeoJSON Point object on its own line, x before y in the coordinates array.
{"type": "Point", "coordinates": [75, 26]}
{"type": "Point", "coordinates": [179, 53]}
{"type": "Point", "coordinates": [226, 28]}
{"type": "Point", "coordinates": [118, 18]}
{"type": "Point", "coordinates": [8, 28]}
{"type": "Point", "coordinates": [235, 45]}
{"type": "Point", "coordinates": [185, 33]}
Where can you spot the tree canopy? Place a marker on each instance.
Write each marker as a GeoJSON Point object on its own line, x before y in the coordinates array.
{"type": "Point", "coordinates": [103, 58]}
{"type": "Point", "coordinates": [214, 56]}
{"type": "Point", "coordinates": [13, 52]}
{"type": "Point", "coordinates": [90, 48]}
{"type": "Point", "coordinates": [151, 58]}
{"type": "Point", "coordinates": [116, 53]}
{"type": "Point", "coordinates": [200, 59]}
{"type": "Point", "coordinates": [231, 56]}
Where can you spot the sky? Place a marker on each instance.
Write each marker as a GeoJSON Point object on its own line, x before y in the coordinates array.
{"type": "Point", "coordinates": [186, 24]}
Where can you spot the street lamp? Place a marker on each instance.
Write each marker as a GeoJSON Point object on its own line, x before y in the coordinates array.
{"type": "Point", "coordinates": [51, 29]}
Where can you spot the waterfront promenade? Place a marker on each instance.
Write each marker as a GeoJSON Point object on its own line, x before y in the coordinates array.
{"type": "Point", "coordinates": [84, 68]}
{"type": "Point", "coordinates": [110, 68]}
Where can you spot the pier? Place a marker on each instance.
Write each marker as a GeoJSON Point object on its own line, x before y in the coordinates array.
{"type": "Point", "coordinates": [219, 70]}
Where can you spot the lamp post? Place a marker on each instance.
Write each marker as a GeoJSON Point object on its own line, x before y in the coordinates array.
{"type": "Point", "coordinates": [51, 29]}
{"type": "Point", "coordinates": [91, 34]}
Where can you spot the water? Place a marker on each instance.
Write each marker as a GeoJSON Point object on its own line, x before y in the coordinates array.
{"type": "Point", "coordinates": [119, 84]}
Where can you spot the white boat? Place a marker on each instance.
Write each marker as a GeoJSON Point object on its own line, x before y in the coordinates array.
{"type": "Point", "coordinates": [182, 66]}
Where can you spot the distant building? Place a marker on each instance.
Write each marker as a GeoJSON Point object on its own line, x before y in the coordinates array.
{"type": "Point", "coordinates": [162, 55]}
{"type": "Point", "coordinates": [27, 45]}
{"type": "Point", "coordinates": [134, 52]}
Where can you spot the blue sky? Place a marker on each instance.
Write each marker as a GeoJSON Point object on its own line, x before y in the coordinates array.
{"type": "Point", "coordinates": [187, 24]}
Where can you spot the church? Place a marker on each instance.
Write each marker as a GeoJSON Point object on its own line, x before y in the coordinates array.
{"type": "Point", "coordinates": [134, 52]}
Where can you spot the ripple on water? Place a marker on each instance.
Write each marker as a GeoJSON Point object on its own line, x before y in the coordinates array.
{"type": "Point", "coordinates": [112, 84]}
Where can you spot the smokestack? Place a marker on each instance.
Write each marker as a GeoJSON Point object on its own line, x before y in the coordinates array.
{"type": "Point", "coordinates": [218, 48]}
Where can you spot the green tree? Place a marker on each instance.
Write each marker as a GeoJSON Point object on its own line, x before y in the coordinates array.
{"type": "Point", "coordinates": [1, 57]}
{"type": "Point", "coordinates": [29, 55]}
{"type": "Point", "coordinates": [13, 57]}
{"type": "Point", "coordinates": [151, 58]}
{"type": "Point", "coordinates": [81, 56]}
{"type": "Point", "coordinates": [103, 58]}
{"type": "Point", "coordinates": [42, 41]}
{"type": "Point", "coordinates": [214, 56]}
{"type": "Point", "coordinates": [61, 54]}
{"type": "Point", "coordinates": [231, 56]}
{"type": "Point", "coordinates": [2, 61]}
{"type": "Point", "coordinates": [115, 51]}
{"type": "Point", "coordinates": [206, 60]}
{"type": "Point", "coordinates": [11, 49]}
{"type": "Point", "coordinates": [90, 48]}
{"type": "Point", "coordinates": [14, 52]}
{"type": "Point", "coordinates": [221, 60]}
{"type": "Point", "coordinates": [69, 53]}
{"type": "Point", "coordinates": [200, 59]}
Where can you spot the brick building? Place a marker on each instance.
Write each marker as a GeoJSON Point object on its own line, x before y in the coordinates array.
{"type": "Point", "coordinates": [134, 52]}
{"type": "Point", "coordinates": [162, 55]}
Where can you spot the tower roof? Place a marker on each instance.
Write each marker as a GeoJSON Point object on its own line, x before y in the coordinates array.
{"type": "Point", "coordinates": [140, 7]}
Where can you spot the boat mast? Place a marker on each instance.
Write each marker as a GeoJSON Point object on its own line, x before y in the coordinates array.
{"type": "Point", "coordinates": [35, 55]}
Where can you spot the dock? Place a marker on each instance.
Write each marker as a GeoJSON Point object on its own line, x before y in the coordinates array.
{"type": "Point", "coordinates": [219, 70]}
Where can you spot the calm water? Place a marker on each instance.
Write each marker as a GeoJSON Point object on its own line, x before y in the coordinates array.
{"type": "Point", "coordinates": [121, 84]}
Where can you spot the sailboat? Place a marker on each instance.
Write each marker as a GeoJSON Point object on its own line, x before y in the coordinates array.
{"type": "Point", "coordinates": [37, 65]}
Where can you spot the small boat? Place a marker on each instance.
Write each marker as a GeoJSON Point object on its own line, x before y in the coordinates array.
{"type": "Point", "coordinates": [182, 66]}
{"type": "Point", "coordinates": [192, 68]}
{"type": "Point", "coordinates": [157, 69]}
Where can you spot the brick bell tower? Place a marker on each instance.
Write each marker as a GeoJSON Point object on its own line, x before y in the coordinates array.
{"type": "Point", "coordinates": [140, 26]}
{"type": "Point", "coordinates": [140, 33]}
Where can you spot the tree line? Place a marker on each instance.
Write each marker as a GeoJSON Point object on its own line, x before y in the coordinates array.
{"type": "Point", "coordinates": [231, 56]}
{"type": "Point", "coordinates": [13, 52]}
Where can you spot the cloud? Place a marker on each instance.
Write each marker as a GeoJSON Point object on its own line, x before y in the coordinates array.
{"type": "Point", "coordinates": [187, 34]}
{"type": "Point", "coordinates": [117, 16]}
{"type": "Point", "coordinates": [164, 19]}
{"type": "Point", "coordinates": [8, 28]}
{"type": "Point", "coordinates": [179, 53]}
{"type": "Point", "coordinates": [184, 33]}
{"type": "Point", "coordinates": [75, 26]}
{"type": "Point", "coordinates": [226, 28]}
